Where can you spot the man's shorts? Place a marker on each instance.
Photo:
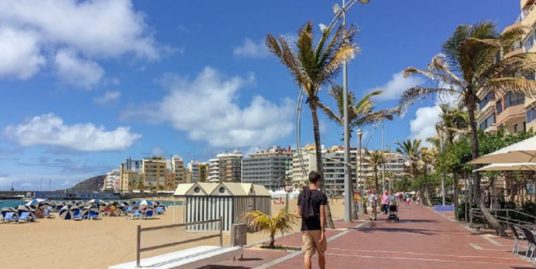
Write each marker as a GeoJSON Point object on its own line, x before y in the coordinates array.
{"type": "Point", "coordinates": [311, 243]}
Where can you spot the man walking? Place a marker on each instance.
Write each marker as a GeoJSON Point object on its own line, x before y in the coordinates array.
{"type": "Point", "coordinates": [312, 205]}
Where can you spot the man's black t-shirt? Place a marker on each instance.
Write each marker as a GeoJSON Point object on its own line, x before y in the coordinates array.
{"type": "Point", "coordinates": [318, 198]}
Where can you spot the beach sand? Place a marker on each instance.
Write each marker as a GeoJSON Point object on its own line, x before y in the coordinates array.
{"type": "Point", "coordinates": [57, 243]}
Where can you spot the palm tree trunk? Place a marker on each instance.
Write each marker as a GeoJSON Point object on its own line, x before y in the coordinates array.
{"type": "Point", "coordinates": [455, 182]}
{"type": "Point", "coordinates": [272, 240]}
{"type": "Point", "coordinates": [492, 221]}
{"type": "Point", "coordinates": [318, 152]}
{"type": "Point", "coordinates": [376, 183]}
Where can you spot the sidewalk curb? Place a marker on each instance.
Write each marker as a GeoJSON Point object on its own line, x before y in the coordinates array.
{"type": "Point", "coordinates": [297, 253]}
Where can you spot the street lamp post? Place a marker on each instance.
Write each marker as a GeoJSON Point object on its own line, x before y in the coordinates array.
{"type": "Point", "coordinates": [340, 13]}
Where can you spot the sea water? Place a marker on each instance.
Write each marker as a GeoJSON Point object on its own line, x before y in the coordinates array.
{"type": "Point", "coordinates": [10, 203]}
{"type": "Point", "coordinates": [15, 203]}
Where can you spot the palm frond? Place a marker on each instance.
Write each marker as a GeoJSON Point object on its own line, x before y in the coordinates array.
{"type": "Point", "coordinates": [512, 84]}
{"type": "Point", "coordinates": [415, 94]}
{"type": "Point", "coordinates": [330, 113]}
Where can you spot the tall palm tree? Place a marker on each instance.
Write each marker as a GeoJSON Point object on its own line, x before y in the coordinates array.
{"type": "Point", "coordinates": [427, 157]}
{"type": "Point", "coordinates": [314, 66]}
{"type": "Point", "coordinates": [453, 121]}
{"type": "Point", "coordinates": [470, 62]}
{"type": "Point", "coordinates": [411, 149]}
{"type": "Point", "coordinates": [259, 221]}
{"type": "Point", "coordinates": [360, 113]}
{"type": "Point", "coordinates": [375, 159]}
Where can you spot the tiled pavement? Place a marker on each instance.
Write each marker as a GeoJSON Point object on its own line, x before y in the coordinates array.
{"type": "Point", "coordinates": [423, 239]}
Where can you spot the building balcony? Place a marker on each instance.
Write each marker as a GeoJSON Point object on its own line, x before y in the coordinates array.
{"type": "Point", "coordinates": [512, 118]}
{"type": "Point", "coordinates": [485, 111]}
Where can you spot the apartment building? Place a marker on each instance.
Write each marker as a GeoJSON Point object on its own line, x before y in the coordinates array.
{"type": "Point", "coordinates": [267, 167]}
{"type": "Point", "coordinates": [511, 112]}
{"type": "Point", "coordinates": [197, 171]}
{"type": "Point", "coordinates": [154, 172]}
{"type": "Point", "coordinates": [213, 170]}
{"type": "Point", "coordinates": [230, 166]}
{"type": "Point", "coordinates": [130, 175]}
{"type": "Point", "coordinates": [178, 170]}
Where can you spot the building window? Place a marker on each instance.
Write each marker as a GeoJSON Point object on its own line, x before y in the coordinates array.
{"type": "Point", "coordinates": [531, 114]}
{"type": "Point", "coordinates": [498, 107]}
{"type": "Point", "coordinates": [488, 98]}
{"type": "Point", "coordinates": [489, 121]}
{"type": "Point", "coordinates": [513, 99]}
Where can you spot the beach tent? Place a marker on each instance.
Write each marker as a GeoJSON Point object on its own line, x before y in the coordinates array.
{"type": "Point", "coordinates": [5, 210]}
{"type": "Point", "coordinates": [521, 152]}
{"type": "Point", "coordinates": [508, 167]}
{"type": "Point", "coordinates": [25, 208]}
{"type": "Point", "coordinates": [35, 202]}
{"type": "Point", "coordinates": [65, 213]}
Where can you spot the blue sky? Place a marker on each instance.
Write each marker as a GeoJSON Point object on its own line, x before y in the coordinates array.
{"type": "Point", "coordinates": [86, 84]}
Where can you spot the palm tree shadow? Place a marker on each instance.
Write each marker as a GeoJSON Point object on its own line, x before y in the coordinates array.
{"type": "Point", "coordinates": [417, 221]}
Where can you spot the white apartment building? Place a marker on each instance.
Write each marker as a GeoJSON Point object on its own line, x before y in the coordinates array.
{"type": "Point", "coordinates": [112, 181]}
{"type": "Point", "coordinates": [267, 167]}
{"type": "Point", "coordinates": [213, 170]}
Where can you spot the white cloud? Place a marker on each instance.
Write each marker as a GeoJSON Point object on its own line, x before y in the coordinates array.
{"type": "Point", "coordinates": [50, 130]}
{"type": "Point", "coordinates": [109, 96]}
{"type": "Point", "coordinates": [76, 71]}
{"type": "Point", "coordinates": [426, 118]}
{"type": "Point", "coordinates": [208, 109]}
{"type": "Point", "coordinates": [98, 29]}
{"type": "Point", "coordinates": [251, 49]}
{"type": "Point", "coordinates": [20, 54]}
{"type": "Point", "coordinates": [394, 88]}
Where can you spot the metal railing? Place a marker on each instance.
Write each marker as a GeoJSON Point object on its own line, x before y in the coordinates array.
{"type": "Point", "coordinates": [139, 249]}
{"type": "Point", "coordinates": [506, 217]}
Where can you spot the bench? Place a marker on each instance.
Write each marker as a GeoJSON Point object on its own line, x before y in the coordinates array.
{"type": "Point", "coordinates": [185, 259]}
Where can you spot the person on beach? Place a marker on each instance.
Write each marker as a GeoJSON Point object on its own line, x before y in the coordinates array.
{"type": "Point", "coordinates": [312, 206]}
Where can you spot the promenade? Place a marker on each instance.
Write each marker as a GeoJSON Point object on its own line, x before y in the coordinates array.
{"type": "Point", "coordinates": [423, 239]}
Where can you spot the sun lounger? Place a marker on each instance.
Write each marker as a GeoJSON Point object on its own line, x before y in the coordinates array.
{"type": "Point", "coordinates": [10, 217]}
{"type": "Point", "coordinates": [94, 215]}
{"type": "Point", "coordinates": [24, 217]}
{"type": "Point", "coordinates": [136, 214]}
{"type": "Point", "coordinates": [148, 214]}
{"type": "Point", "coordinates": [77, 215]}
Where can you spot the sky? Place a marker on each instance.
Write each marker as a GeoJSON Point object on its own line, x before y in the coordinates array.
{"type": "Point", "coordinates": [86, 84]}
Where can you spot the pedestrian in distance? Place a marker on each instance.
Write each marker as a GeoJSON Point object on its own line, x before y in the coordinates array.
{"type": "Point", "coordinates": [385, 202]}
{"type": "Point", "coordinates": [373, 203]}
{"type": "Point", "coordinates": [312, 204]}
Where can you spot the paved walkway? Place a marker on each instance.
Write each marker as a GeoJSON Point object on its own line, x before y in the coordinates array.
{"type": "Point", "coordinates": [423, 239]}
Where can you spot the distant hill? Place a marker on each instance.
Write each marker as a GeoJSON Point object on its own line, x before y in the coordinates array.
{"type": "Point", "coordinates": [90, 184]}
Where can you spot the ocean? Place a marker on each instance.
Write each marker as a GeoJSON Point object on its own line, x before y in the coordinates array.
{"type": "Point", "coordinates": [15, 203]}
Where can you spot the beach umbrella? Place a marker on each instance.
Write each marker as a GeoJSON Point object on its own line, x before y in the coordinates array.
{"type": "Point", "coordinates": [146, 203]}
{"type": "Point", "coordinates": [508, 167]}
{"type": "Point", "coordinates": [35, 202]}
{"type": "Point", "coordinates": [521, 152]}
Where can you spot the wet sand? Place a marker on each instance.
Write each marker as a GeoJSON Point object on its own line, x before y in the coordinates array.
{"type": "Point", "coordinates": [57, 243]}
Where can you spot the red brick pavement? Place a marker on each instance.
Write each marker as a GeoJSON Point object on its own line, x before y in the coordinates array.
{"type": "Point", "coordinates": [422, 240]}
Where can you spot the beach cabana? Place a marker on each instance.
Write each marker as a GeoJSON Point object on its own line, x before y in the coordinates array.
{"type": "Point", "coordinates": [521, 152]}
{"type": "Point", "coordinates": [208, 201]}
{"type": "Point", "coordinates": [65, 213]}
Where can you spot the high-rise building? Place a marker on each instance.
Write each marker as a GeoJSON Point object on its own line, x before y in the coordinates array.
{"type": "Point", "coordinates": [333, 162]}
{"type": "Point", "coordinates": [197, 171]}
{"type": "Point", "coordinates": [213, 170]}
{"type": "Point", "coordinates": [267, 167]}
{"type": "Point", "coordinates": [177, 167]}
{"type": "Point", "coordinates": [154, 173]}
{"type": "Point", "coordinates": [230, 166]}
{"type": "Point", "coordinates": [130, 175]}
{"type": "Point", "coordinates": [112, 181]}
{"type": "Point", "coordinates": [512, 112]}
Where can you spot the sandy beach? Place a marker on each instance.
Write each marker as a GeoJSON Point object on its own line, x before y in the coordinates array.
{"type": "Point", "coordinates": [57, 243]}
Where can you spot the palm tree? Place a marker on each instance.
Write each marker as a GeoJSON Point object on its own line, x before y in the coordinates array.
{"type": "Point", "coordinates": [259, 221]}
{"type": "Point", "coordinates": [469, 63]}
{"type": "Point", "coordinates": [427, 157]}
{"type": "Point", "coordinates": [411, 149]}
{"type": "Point", "coordinates": [375, 159]}
{"type": "Point", "coordinates": [452, 122]}
{"type": "Point", "coordinates": [314, 66]}
{"type": "Point", "coordinates": [360, 113]}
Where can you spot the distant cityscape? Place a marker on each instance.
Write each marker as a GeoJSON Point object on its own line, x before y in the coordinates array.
{"type": "Point", "coordinates": [274, 168]}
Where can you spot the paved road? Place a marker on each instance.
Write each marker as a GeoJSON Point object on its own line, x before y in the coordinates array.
{"type": "Point", "coordinates": [422, 239]}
